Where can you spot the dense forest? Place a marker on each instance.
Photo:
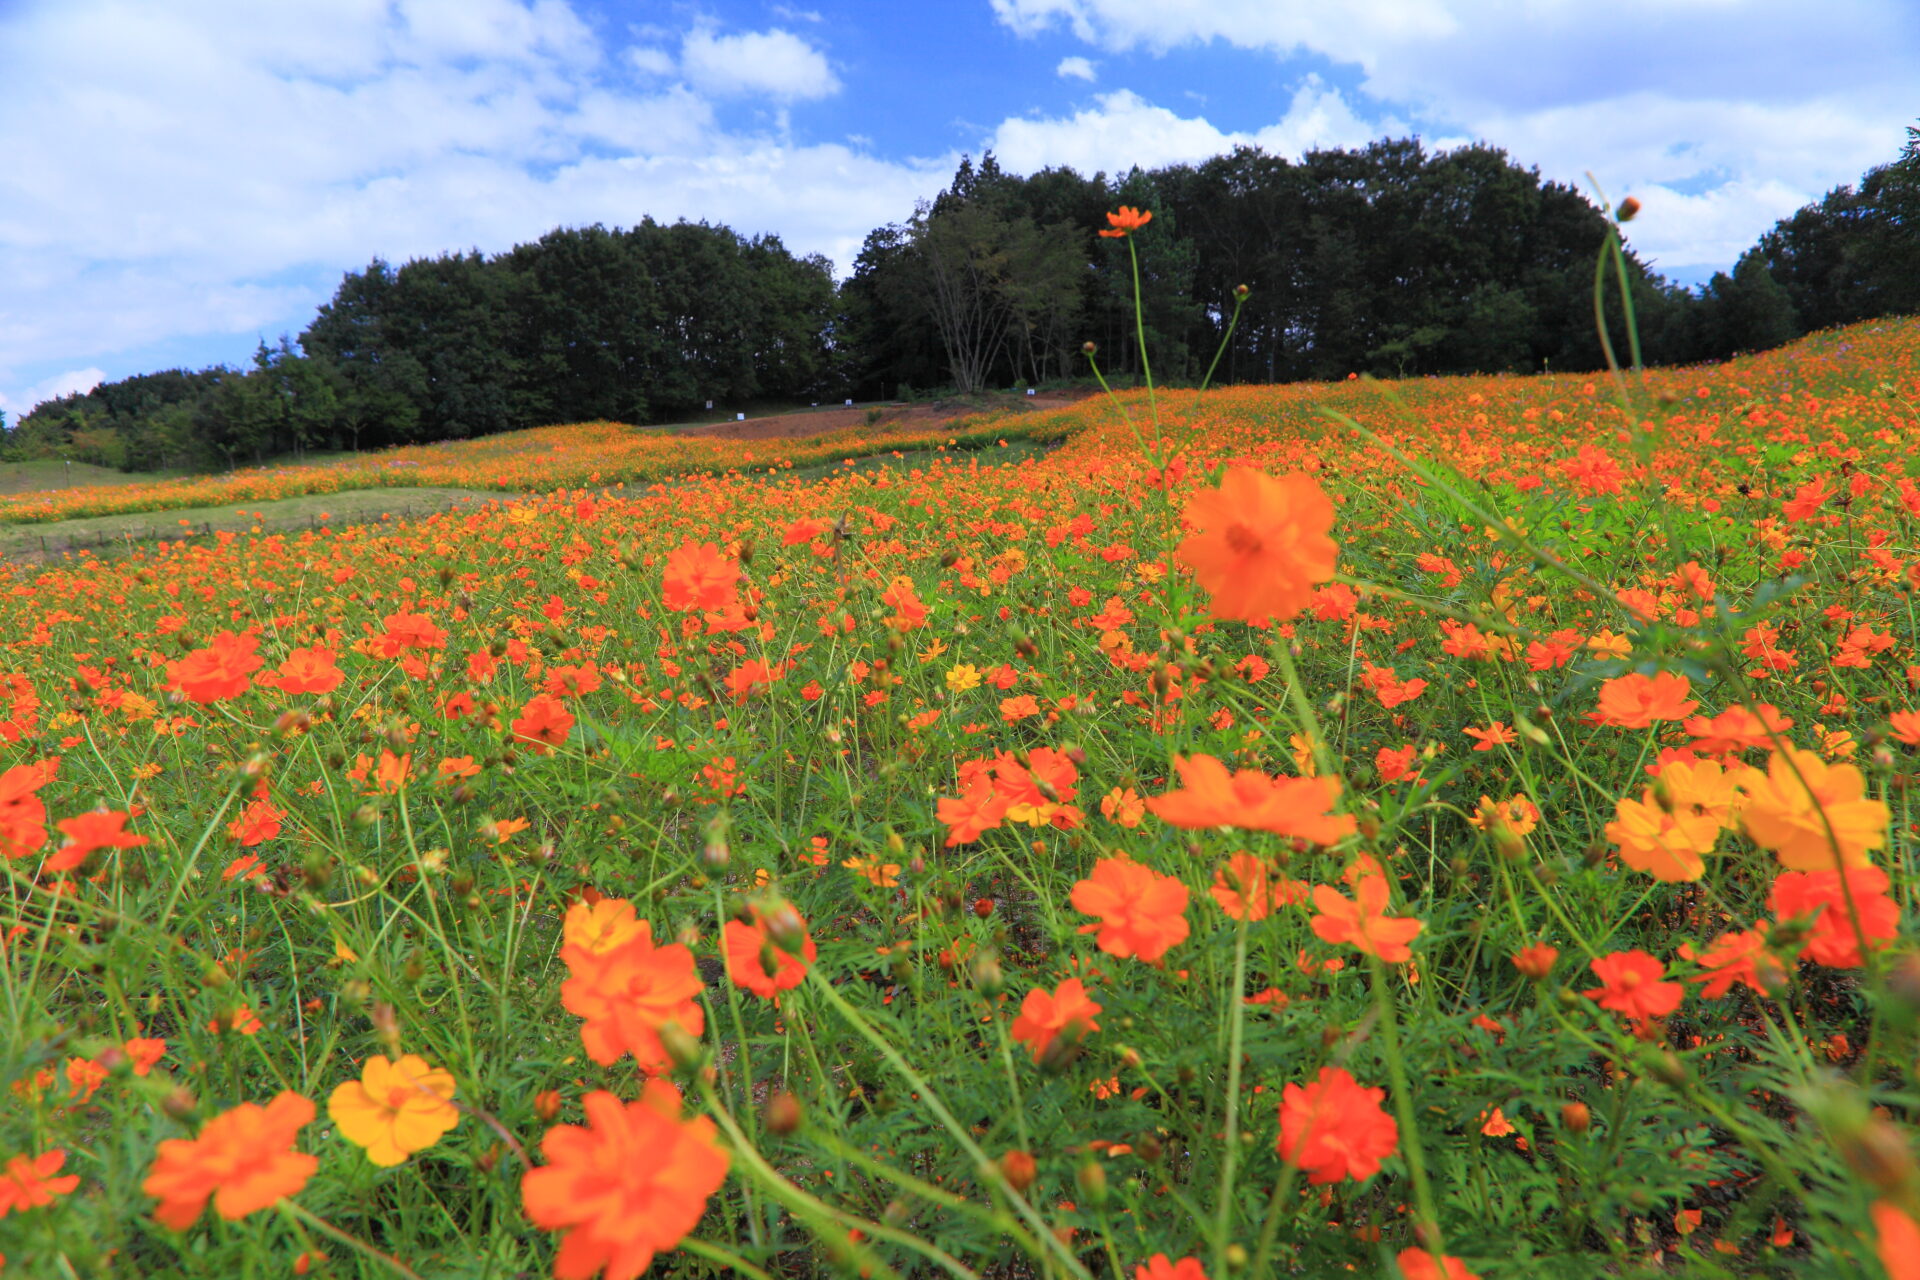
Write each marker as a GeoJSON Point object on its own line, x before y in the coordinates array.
{"type": "Point", "coordinates": [1389, 259]}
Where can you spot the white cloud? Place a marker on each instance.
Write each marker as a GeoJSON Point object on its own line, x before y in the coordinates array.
{"type": "Point", "coordinates": [1075, 69]}
{"type": "Point", "coordinates": [650, 61]}
{"type": "Point", "coordinates": [1723, 115]}
{"type": "Point", "coordinates": [1124, 129]}
{"type": "Point", "coordinates": [775, 63]}
{"type": "Point", "coordinates": [60, 384]}
{"type": "Point", "coordinates": [210, 167]}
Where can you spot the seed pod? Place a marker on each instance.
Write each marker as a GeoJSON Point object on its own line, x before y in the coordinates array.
{"type": "Point", "coordinates": [784, 1114]}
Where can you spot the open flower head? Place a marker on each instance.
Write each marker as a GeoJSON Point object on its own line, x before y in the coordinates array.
{"type": "Point", "coordinates": [1333, 1128]}
{"type": "Point", "coordinates": [1362, 921]}
{"type": "Point", "coordinates": [1127, 220]}
{"type": "Point", "coordinates": [243, 1161]}
{"type": "Point", "coordinates": [1142, 913]}
{"type": "Point", "coordinates": [1815, 816]}
{"type": "Point", "coordinates": [395, 1108]}
{"type": "Point", "coordinates": [629, 1184]}
{"type": "Point", "coordinates": [1260, 545]}
{"type": "Point", "coordinates": [1066, 1013]}
{"type": "Point", "coordinates": [1252, 801]}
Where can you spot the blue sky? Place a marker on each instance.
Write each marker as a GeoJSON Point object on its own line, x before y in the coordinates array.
{"type": "Point", "coordinates": [180, 178]}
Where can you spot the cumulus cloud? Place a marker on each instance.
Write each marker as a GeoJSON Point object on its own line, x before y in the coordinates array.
{"type": "Point", "coordinates": [1075, 68]}
{"type": "Point", "coordinates": [66, 383]}
{"type": "Point", "coordinates": [210, 167]}
{"type": "Point", "coordinates": [1123, 129]}
{"type": "Point", "coordinates": [776, 63]}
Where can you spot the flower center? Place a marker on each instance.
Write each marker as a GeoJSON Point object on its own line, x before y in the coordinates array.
{"type": "Point", "coordinates": [1243, 541]}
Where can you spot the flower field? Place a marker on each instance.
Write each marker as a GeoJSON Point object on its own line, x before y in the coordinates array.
{"type": "Point", "coordinates": [589, 454]}
{"type": "Point", "coordinates": [1444, 829]}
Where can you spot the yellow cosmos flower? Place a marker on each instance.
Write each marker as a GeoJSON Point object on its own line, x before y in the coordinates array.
{"type": "Point", "coordinates": [395, 1108]}
{"type": "Point", "coordinates": [1815, 816]}
{"type": "Point", "coordinates": [962, 677]}
{"type": "Point", "coordinates": [1605, 644]}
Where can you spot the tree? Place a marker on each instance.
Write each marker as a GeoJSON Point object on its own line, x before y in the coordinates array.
{"type": "Point", "coordinates": [999, 286]}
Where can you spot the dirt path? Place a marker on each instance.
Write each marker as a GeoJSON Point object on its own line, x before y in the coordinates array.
{"type": "Point", "coordinates": [813, 422]}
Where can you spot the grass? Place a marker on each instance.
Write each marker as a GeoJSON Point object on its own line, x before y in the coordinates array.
{"type": "Point", "coordinates": [50, 473]}
{"type": "Point", "coordinates": [288, 515]}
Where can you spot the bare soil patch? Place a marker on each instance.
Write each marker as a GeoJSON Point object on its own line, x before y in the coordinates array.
{"type": "Point", "coordinates": [813, 422]}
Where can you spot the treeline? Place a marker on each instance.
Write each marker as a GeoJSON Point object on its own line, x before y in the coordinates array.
{"type": "Point", "coordinates": [636, 325]}
{"type": "Point", "coordinates": [1388, 259]}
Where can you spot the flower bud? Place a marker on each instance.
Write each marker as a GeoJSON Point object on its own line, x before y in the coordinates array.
{"type": "Point", "coordinates": [1091, 1178]}
{"type": "Point", "coordinates": [1628, 208]}
{"type": "Point", "coordinates": [546, 1105]}
{"type": "Point", "coordinates": [1575, 1118]}
{"type": "Point", "coordinates": [686, 1051]}
{"type": "Point", "coordinates": [1019, 1169]}
{"type": "Point", "coordinates": [784, 1113]}
{"type": "Point", "coordinates": [987, 977]}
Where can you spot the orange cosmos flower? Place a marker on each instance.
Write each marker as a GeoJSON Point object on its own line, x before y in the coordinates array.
{"type": "Point", "coordinates": [1335, 1129]}
{"type": "Point", "coordinates": [699, 577]}
{"type": "Point", "coordinates": [1252, 801]}
{"type": "Point", "coordinates": [30, 1183]}
{"type": "Point", "coordinates": [1161, 1267]}
{"type": "Point", "coordinates": [144, 1053]}
{"type": "Point", "coordinates": [1260, 545]}
{"type": "Point", "coordinates": [243, 1160]}
{"type": "Point", "coordinates": [1039, 790]}
{"type": "Point", "coordinates": [395, 1108]}
{"type": "Point", "coordinates": [1418, 1264]}
{"type": "Point", "coordinates": [627, 992]}
{"type": "Point", "coordinates": [1123, 806]}
{"type": "Point", "coordinates": [102, 829]}
{"type": "Point", "coordinates": [1634, 701]}
{"type": "Point", "coordinates": [1535, 961]}
{"type": "Point", "coordinates": [1738, 729]}
{"type": "Point", "coordinates": [1247, 890]}
{"type": "Point", "coordinates": [630, 1183]}
{"type": "Point", "coordinates": [1813, 815]}
{"type": "Point", "coordinates": [803, 531]}
{"type": "Point", "coordinates": [1068, 1012]}
{"type": "Point", "coordinates": [407, 631]}
{"type": "Point", "coordinates": [1632, 984]}
{"type": "Point", "coordinates": [542, 724]}
{"type": "Point", "coordinates": [1737, 957]}
{"type": "Point", "coordinates": [23, 815]}
{"type": "Point", "coordinates": [259, 821]}
{"type": "Point", "coordinates": [978, 808]}
{"type": "Point", "coordinates": [309, 670]}
{"type": "Point", "coordinates": [760, 963]}
{"type": "Point", "coordinates": [1363, 923]}
{"type": "Point", "coordinates": [1126, 220]}
{"type": "Point", "coordinates": [1497, 734]}
{"type": "Point", "coordinates": [1833, 941]}
{"type": "Point", "coordinates": [1143, 913]}
{"type": "Point", "coordinates": [219, 671]}
{"type": "Point", "coordinates": [1897, 1240]}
